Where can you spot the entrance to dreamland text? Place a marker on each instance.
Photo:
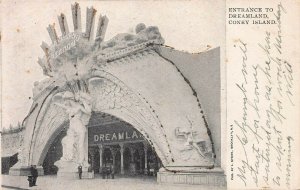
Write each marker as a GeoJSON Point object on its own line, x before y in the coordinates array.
{"type": "Point", "coordinates": [111, 142]}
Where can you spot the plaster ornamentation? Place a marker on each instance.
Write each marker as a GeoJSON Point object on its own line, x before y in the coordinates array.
{"type": "Point", "coordinates": [93, 75]}
{"type": "Point", "coordinates": [78, 107]}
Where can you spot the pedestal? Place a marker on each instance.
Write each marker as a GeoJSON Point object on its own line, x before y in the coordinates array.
{"type": "Point", "coordinates": [192, 176]}
{"type": "Point", "coordinates": [69, 170]}
{"type": "Point", "coordinates": [24, 171]}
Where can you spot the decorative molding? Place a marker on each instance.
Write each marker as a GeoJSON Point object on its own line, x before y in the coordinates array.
{"type": "Point", "coordinates": [122, 100]}
{"type": "Point", "coordinates": [69, 54]}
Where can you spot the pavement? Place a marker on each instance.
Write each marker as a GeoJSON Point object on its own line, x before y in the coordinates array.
{"type": "Point", "coordinates": [51, 182]}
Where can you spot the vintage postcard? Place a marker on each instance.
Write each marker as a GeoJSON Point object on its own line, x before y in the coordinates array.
{"type": "Point", "coordinates": [150, 94]}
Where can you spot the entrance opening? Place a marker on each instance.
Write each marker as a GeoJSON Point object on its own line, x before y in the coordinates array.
{"type": "Point", "coordinates": [7, 162]}
{"type": "Point", "coordinates": [54, 154]}
{"type": "Point", "coordinates": [111, 142]}
{"type": "Point", "coordinates": [117, 143]}
{"type": "Point", "coordinates": [138, 159]}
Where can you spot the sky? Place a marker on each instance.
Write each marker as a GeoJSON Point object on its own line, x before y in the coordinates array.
{"type": "Point", "coordinates": [185, 25]}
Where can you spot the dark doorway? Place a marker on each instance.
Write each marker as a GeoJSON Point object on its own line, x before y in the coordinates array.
{"type": "Point", "coordinates": [8, 162]}
{"type": "Point", "coordinates": [96, 163]}
{"type": "Point", "coordinates": [107, 156]}
{"type": "Point", "coordinates": [127, 158]}
{"type": "Point", "coordinates": [118, 163]}
{"type": "Point", "coordinates": [54, 154]}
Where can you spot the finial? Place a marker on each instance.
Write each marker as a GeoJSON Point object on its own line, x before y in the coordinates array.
{"type": "Point", "coordinates": [101, 29]}
{"type": "Point", "coordinates": [76, 14]}
{"type": "Point", "coordinates": [90, 20]}
{"type": "Point", "coordinates": [52, 33]}
{"type": "Point", "coordinates": [63, 24]}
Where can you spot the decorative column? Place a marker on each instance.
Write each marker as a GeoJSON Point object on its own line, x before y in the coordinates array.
{"type": "Point", "coordinates": [122, 157]}
{"type": "Point", "coordinates": [100, 157]}
{"type": "Point", "coordinates": [114, 153]}
{"type": "Point", "coordinates": [146, 158]}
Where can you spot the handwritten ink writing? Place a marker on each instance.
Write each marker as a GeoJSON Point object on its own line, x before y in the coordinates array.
{"type": "Point", "coordinates": [266, 92]}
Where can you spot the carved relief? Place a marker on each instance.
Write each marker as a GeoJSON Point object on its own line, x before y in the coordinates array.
{"type": "Point", "coordinates": [193, 143]}
{"type": "Point", "coordinates": [113, 97]}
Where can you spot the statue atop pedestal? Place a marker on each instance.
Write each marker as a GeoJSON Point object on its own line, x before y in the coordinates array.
{"type": "Point", "coordinates": [78, 107]}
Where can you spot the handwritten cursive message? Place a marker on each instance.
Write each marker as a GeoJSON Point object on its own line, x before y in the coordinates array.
{"type": "Point", "coordinates": [266, 92]}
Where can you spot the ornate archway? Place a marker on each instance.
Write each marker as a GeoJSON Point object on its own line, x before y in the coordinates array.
{"type": "Point", "coordinates": [126, 77]}
{"type": "Point", "coordinates": [110, 96]}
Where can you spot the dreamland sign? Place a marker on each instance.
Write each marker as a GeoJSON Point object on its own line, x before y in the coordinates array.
{"type": "Point", "coordinates": [113, 133]}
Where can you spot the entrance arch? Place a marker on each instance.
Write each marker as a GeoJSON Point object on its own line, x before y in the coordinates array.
{"type": "Point", "coordinates": [111, 96]}
{"type": "Point", "coordinates": [54, 154]}
{"type": "Point", "coordinates": [114, 141]}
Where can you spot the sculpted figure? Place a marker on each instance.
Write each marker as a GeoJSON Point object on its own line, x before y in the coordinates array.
{"type": "Point", "coordinates": [79, 110]}
{"type": "Point", "coordinates": [191, 143]}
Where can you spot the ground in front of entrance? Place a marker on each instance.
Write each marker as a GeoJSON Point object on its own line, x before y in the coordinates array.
{"type": "Point", "coordinates": [119, 183]}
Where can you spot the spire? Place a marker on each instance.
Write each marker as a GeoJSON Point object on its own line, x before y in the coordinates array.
{"type": "Point", "coordinates": [90, 20]}
{"type": "Point", "coordinates": [63, 24]}
{"type": "Point", "coordinates": [52, 33]}
{"type": "Point", "coordinates": [101, 29]}
{"type": "Point", "coordinates": [76, 14]}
